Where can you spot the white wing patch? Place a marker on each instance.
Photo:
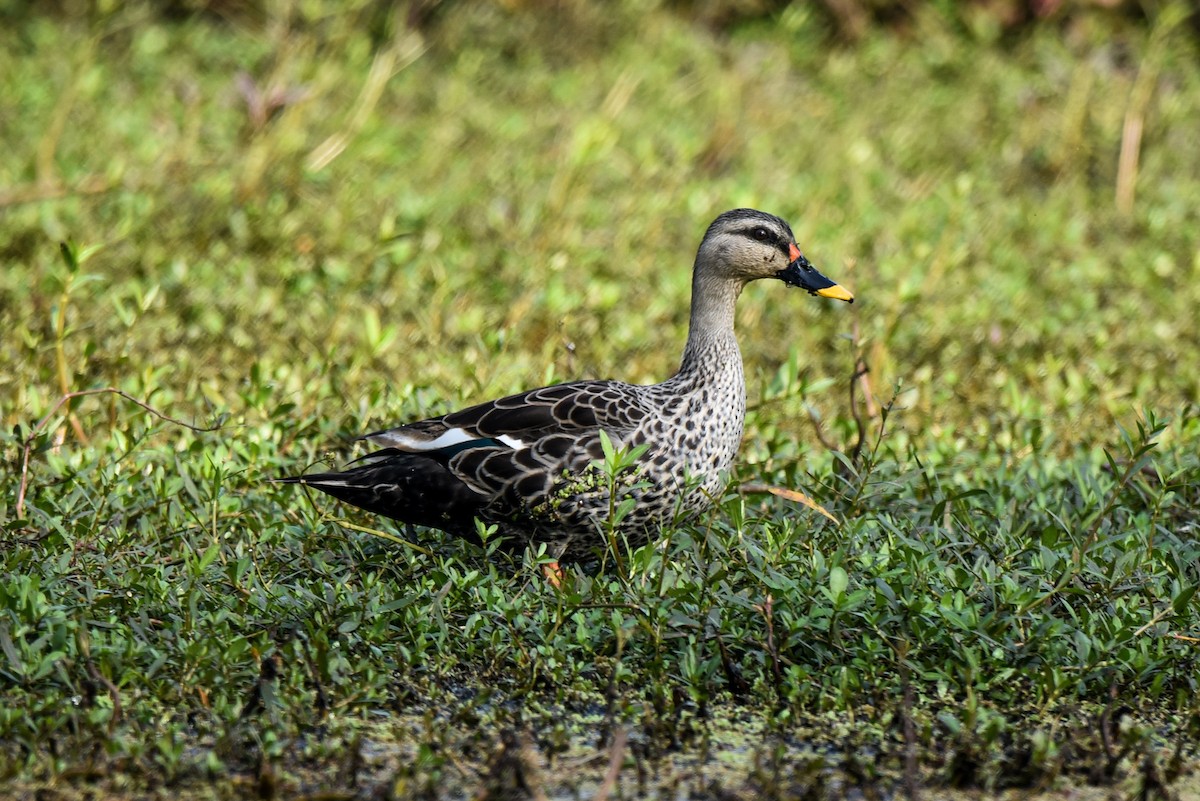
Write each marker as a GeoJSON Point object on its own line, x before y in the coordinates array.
{"type": "Point", "coordinates": [323, 482]}
{"type": "Point", "coordinates": [406, 441]}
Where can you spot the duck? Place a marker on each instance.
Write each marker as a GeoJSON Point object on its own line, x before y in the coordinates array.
{"type": "Point", "coordinates": [528, 467]}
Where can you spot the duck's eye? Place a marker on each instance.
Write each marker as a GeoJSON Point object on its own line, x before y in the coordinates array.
{"type": "Point", "coordinates": [761, 234]}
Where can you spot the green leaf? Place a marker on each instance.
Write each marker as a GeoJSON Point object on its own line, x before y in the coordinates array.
{"type": "Point", "coordinates": [838, 581]}
{"type": "Point", "coordinates": [1180, 602]}
{"type": "Point", "coordinates": [606, 445]}
{"type": "Point", "coordinates": [210, 554]}
{"type": "Point", "coordinates": [10, 650]}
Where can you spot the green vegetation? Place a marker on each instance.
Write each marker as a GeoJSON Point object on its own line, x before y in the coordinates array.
{"type": "Point", "coordinates": [290, 228]}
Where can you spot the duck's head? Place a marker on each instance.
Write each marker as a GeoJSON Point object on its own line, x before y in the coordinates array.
{"type": "Point", "coordinates": [747, 244]}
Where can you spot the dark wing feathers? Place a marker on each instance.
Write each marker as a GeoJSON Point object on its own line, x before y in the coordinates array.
{"type": "Point", "coordinates": [571, 413]}
{"type": "Point", "coordinates": [515, 422]}
{"type": "Point", "coordinates": [446, 471]}
{"type": "Point", "coordinates": [570, 409]}
{"type": "Point", "coordinates": [553, 447]}
{"type": "Point", "coordinates": [559, 427]}
{"type": "Point", "coordinates": [541, 412]}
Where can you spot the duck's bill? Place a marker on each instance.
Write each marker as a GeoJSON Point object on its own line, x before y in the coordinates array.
{"type": "Point", "coordinates": [801, 273]}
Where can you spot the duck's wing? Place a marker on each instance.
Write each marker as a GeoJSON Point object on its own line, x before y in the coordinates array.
{"type": "Point", "coordinates": [495, 460]}
{"type": "Point", "coordinates": [516, 446]}
{"type": "Point", "coordinates": [519, 421]}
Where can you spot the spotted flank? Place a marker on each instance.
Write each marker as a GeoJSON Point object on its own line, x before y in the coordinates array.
{"type": "Point", "coordinates": [526, 462]}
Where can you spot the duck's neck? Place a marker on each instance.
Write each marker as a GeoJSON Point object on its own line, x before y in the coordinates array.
{"type": "Point", "coordinates": [712, 348]}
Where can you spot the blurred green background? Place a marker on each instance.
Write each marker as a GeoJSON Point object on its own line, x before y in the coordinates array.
{"type": "Point", "coordinates": [512, 193]}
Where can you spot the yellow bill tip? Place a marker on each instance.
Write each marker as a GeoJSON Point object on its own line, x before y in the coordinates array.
{"type": "Point", "coordinates": [837, 292]}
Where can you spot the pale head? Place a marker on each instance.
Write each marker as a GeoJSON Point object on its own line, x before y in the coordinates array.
{"type": "Point", "coordinates": [745, 245]}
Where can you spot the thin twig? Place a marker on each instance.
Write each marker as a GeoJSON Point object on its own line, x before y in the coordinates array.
{"type": "Point", "coordinates": [616, 756]}
{"type": "Point", "coordinates": [756, 488]}
{"type": "Point", "coordinates": [1127, 475]}
{"type": "Point", "coordinates": [45, 163]}
{"type": "Point", "coordinates": [911, 783]}
{"type": "Point", "coordinates": [864, 377]}
{"type": "Point", "coordinates": [27, 446]}
{"type": "Point", "coordinates": [860, 370]}
{"type": "Point", "coordinates": [738, 687]}
{"type": "Point", "coordinates": [113, 694]}
{"type": "Point", "coordinates": [1153, 621]}
{"type": "Point", "coordinates": [1139, 103]}
{"type": "Point", "coordinates": [403, 51]}
{"type": "Point", "coordinates": [37, 192]}
{"type": "Point", "coordinates": [384, 534]}
{"type": "Point", "coordinates": [322, 704]}
{"type": "Point", "coordinates": [819, 430]}
{"type": "Point", "coordinates": [610, 696]}
{"type": "Point", "coordinates": [767, 610]}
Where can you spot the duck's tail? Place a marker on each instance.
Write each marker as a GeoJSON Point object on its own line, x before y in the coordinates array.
{"type": "Point", "coordinates": [403, 486]}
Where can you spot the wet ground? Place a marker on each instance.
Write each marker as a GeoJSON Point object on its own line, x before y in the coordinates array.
{"type": "Point", "coordinates": [729, 754]}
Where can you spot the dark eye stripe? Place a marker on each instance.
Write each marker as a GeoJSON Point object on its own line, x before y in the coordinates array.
{"type": "Point", "coordinates": [772, 238]}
